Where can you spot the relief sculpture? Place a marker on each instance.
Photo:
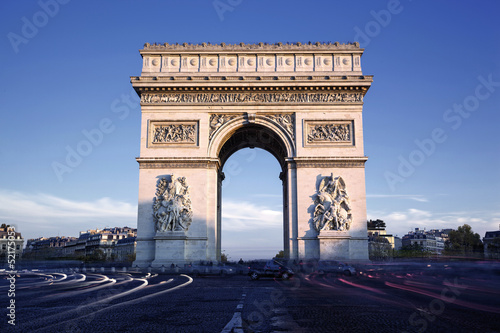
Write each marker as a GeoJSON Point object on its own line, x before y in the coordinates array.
{"type": "Point", "coordinates": [286, 121]}
{"type": "Point", "coordinates": [329, 133]}
{"type": "Point", "coordinates": [332, 208]}
{"type": "Point", "coordinates": [172, 205]}
{"type": "Point", "coordinates": [174, 133]}
{"type": "Point", "coordinates": [217, 120]}
{"type": "Point", "coordinates": [278, 97]}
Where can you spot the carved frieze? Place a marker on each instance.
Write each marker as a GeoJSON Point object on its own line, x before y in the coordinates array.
{"type": "Point", "coordinates": [252, 98]}
{"type": "Point", "coordinates": [287, 121]}
{"type": "Point", "coordinates": [328, 132]}
{"type": "Point", "coordinates": [332, 209]}
{"type": "Point", "coordinates": [172, 205]}
{"type": "Point", "coordinates": [168, 133]}
{"type": "Point", "coordinates": [218, 120]}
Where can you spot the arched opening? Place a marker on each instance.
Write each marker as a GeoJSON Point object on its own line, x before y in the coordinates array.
{"type": "Point", "coordinates": [252, 206]}
{"type": "Point", "coordinates": [249, 213]}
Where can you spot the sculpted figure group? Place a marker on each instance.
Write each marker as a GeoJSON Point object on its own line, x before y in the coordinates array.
{"type": "Point", "coordinates": [332, 210]}
{"type": "Point", "coordinates": [174, 133]}
{"type": "Point", "coordinates": [330, 132]}
{"type": "Point", "coordinates": [172, 205]}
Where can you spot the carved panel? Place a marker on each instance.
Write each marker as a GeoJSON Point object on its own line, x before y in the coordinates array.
{"type": "Point", "coordinates": [252, 98]}
{"type": "Point", "coordinates": [286, 121]}
{"type": "Point", "coordinates": [163, 133]}
{"type": "Point", "coordinates": [328, 132]}
{"type": "Point", "coordinates": [218, 120]}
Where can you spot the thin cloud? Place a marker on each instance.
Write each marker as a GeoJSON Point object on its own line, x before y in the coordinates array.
{"type": "Point", "coordinates": [41, 214]}
{"type": "Point", "coordinates": [400, 222]}
{"type": "Point", "coordinates": [414, 197]}
{"type": "Point", "coordinates": [263, 195]}
{"type": "Point", "coordinates": [242, 215]}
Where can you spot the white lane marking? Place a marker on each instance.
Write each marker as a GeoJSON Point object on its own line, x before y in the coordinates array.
{"type": "Point", "coordinates": [235, 325]}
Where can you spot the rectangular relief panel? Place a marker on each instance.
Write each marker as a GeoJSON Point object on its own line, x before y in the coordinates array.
{"type": "Point", "coordinates": [163, 133]}
{"type": "Point", "coordinates": [318, 133]}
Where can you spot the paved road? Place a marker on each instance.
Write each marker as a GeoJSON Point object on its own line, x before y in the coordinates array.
{"type": "Point", "coordinates": [381, 299]}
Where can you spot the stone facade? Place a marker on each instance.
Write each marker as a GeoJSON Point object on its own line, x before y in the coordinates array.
{"type": "Point", "coordinates": [201, 103]}
{"type": "Point", "coordinates": [11, 244]}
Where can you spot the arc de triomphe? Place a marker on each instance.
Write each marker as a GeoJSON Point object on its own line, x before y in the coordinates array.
{"type": "Point", "coordinates": [201, 103]}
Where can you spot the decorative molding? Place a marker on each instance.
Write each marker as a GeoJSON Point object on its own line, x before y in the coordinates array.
{"type": "Point", "coordinates": [332, 210]}
{"type": "Point", "coordinates": [328, 132]}
{"type": "Point", "coordinates": [286, 121]}
{"type": "Point", "coordinates": [171, 163]}
{"type": "Point", "coordinates": [328, 162]}
{"type": "Point", "coordinates": [251, 98]}
{"type": "Point", "coordinates": [218, 120]}
{"type": "Point", "coordinates": [172, 205]}
{"type": "Point", "coordinates": [243, 47]}
{"type": "Point", "coordinates": [340, 80]}
{"type": "Point", "coordinates": [167, 133]}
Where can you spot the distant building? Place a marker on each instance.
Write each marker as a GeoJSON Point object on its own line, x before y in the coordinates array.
{"type": "Point", "coordinates": [491, 243]}
{"type": "Point", "coordinates": [43, 248]}
{"type": "Point", "coordinates": [99, 242]}
{"type": "Point", "coordinates": [426, 239]}
{"type": "Point", "coordinates": [380, 243]}
{"type": "Point", "coordinates": [106, 239]}
{"type": "Point", "coordinates": [124, 249]}
{"type": "Point", "coordinates": [16, 238]}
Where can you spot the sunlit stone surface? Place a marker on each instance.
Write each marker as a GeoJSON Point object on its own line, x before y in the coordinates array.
{"type": "Point", "coordinates": [201, 103]}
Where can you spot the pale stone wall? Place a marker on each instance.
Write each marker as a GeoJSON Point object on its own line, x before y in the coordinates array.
{"type": "Point", "coordinates": [310, 97]}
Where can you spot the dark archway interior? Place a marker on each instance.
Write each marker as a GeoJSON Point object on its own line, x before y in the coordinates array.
{"type": "Point", "coordinates": [254, 136]}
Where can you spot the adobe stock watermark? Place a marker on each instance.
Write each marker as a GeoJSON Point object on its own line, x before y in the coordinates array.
{"type": "Point", "coordinates": [428, 146]}
{"type": "Point", "coordinates": [11, 264]}
{"type": "Point", "coordinates": [95, 136]}
{"type": "Point", "coordinates": [222, 6]}
{"type": "Point", "coordinates": [268, 308]}
{"type": "Point", "coordinates": [381, 19]}
{"type": "Point", "coordinates": [31, 26]}
{"type": "Point", "coordinates": [436, 307]}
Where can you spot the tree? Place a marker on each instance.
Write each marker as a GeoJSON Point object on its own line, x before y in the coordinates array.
{"type": "Point", "coordinates": [378, 247]}
{"type": "Point", "coordinates": [131, 257]}
{"type": "Point", "coordinates": [464, 241]}
{"type": "Point", "coordinates": [97, 255]}
{"type": "Point", "coordinates": [376, 225]}
{"type": "Point", "coordinates": [413, 251]}
{"type": "Point", "coordinates": [281, 254]}
{"type": "Point", "coordinates": [223, 257]}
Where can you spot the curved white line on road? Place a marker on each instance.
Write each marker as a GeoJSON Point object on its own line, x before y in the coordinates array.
{"type": "Point", "coordinates": [82, 291]}
{"type": "Point", "coordinates": [140, 299]}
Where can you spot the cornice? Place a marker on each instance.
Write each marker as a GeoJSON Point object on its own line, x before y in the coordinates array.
{"type": "Point", "coordinates": [254, 80]}
{"type": "Point", "coordinates": [327, 162]}
{"type": "Point", "coordinates": [177, 162]}
{"type": "Point", "coordinates": [242, 47]}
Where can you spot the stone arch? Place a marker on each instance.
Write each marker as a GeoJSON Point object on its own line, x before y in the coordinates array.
{"type": "Point", "coordinates": [260, 132]}
{"type": "Point", "coordinates": [204, 102]}
{"type": "Point", "coordinates": [240, 123]}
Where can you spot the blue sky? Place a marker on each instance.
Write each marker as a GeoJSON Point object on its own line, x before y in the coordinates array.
{"type": "Point", "coordinates": [69, 74]}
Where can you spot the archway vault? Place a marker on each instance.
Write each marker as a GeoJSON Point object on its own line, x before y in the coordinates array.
{"type": "Point", "coordinates": [201, 103]}
{"type": "Point", "coordinates": [259, 132]}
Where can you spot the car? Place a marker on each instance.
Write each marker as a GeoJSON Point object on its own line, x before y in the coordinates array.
{"type": "Point", "coordinates": [271, 268]}
{"type": "Point", "coordinates": [332, 266]}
